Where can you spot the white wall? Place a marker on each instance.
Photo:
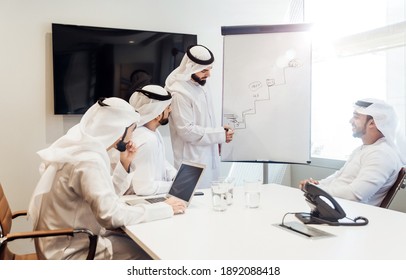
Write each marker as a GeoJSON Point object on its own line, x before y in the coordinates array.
{"type": "Point", "coordinates": [27, 123]}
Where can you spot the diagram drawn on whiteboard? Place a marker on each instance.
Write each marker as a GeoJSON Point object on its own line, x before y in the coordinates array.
{"type": "Point", "coordinates": [239, 122]}
{"type": "Point", "coordinates": [266, 96]}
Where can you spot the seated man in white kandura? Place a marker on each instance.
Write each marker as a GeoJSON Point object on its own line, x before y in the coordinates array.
{"type": "Point", "coordinates": [152, 174]}
{"type": "Point", "coordinates": [76, 189]}
{"type": "Point", "coordinates": [373, 167]}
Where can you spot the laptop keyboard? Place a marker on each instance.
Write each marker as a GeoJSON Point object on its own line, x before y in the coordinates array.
{"type": "Point", "coordinates": [156, 199]}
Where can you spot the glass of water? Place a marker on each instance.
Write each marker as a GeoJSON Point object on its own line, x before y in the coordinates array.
{"type": "Point", "coordinates": [230, 183]}
{"type": "Point", "coordinates": [252, 192]}
{"type": "Point", "coordinates": [219, 195]}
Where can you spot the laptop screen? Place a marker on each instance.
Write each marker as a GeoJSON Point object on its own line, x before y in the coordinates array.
{"type": "Point", "coordinates": [186, 180]}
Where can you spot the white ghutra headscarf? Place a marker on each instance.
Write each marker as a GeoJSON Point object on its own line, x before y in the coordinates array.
{"type": "Point", "coordinates": [196, 59]}
{"type": "Point", "coordinates": [386, 121]}
{"type": "Point", "coordinates": [150, 102]}
{"type": "Point", "coordinates": [100, 127]}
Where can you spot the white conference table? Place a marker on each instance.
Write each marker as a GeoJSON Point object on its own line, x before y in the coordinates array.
{"type": "Point", "coordinates": [240, 233]}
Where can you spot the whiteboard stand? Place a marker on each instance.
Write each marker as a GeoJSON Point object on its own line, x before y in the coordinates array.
{"type": "Point", "coordinates": [265, 170]}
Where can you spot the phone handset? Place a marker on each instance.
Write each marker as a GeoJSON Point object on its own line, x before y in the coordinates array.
{"type": "Point", "coordinates": [324, 205]}
{"type": "Point", "coordinates": [122, 144]}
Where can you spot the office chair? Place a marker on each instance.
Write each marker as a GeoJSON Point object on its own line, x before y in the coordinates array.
{"type": "Point", "coordinates": [399, 183]}
{"type": "Point", "coordinates": [6, 218]}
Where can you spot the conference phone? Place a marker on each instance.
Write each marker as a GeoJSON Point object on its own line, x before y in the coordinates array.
{"type": "Point", "coordinates": [325, 209]}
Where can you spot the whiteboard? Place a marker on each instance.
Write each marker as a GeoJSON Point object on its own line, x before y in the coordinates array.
{"type": "Point", "coordinates": [267, 93]}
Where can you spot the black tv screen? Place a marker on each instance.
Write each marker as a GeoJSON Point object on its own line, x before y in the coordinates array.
{"type": "Point", "coordinates": [93, 62]}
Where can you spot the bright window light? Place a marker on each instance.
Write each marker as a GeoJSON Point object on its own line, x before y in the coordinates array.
{"type": "Point", "coordinates": [354, 45]}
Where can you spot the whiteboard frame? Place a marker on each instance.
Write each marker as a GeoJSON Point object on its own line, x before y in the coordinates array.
{"type": "Point", "coordinates": [261, 29]}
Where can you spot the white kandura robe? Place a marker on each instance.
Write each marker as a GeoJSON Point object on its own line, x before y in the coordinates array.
{"type": "Point", "coordinates": [194, 134]}
{"type": "Point", "coordinates": [367, 175]}
{"type": "Point", "coordinates": [151, 172]}
{"type": "Point", "coordinates": [83, 196]}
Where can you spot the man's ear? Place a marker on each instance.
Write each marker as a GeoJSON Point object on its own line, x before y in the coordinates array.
{"type": "Point", "coordinates": [372, 123]}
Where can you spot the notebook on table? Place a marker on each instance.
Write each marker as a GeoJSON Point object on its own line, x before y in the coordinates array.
{"type": "Point", "coordinates": [183, 186]}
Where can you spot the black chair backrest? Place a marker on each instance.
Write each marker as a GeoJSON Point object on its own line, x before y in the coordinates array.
{"type": "Point", "coordinates": [399, 183]}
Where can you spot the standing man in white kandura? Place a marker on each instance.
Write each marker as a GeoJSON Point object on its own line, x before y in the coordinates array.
{"type": "Point", "coordinates": [195, 136]}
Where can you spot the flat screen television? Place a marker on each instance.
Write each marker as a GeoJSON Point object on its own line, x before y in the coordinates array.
{"type": "Point", "coordinates": [93, 62]}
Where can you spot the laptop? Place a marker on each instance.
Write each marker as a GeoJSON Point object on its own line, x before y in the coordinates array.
{"type": "Point", "coordinates": [183, 186]}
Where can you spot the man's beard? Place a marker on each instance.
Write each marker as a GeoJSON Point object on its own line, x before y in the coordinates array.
{"type": "Point", "coordinates": [359, 132]}
{"type": "Point", "coordinates": [198, 80]}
